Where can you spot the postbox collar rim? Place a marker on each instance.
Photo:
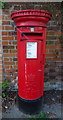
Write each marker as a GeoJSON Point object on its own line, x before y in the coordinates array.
{"type": "Point", "coordinates": [30, 10]}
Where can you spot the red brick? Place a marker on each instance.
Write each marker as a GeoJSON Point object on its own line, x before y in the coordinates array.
{"type": "Point", "coordinates": [56, 59]}
{"type": "Point", "coordinates": [7, 28]}
{"type": "Point", "coordinates": [12, 33]}
{"type": "Point", "coordinates": [11, 59]}
{"type": "Point", "coordinates": [0, 27]}
{"type": "Point", "coordinates": [4, 42]}
{"type": "Point", "coordinates": [8, 38]}
{"type": "Point", "coordinates": [6, 67]}
{"type": "Point", "coordinates": [52, 46]}
{"type": "Point", "coordinates": [0, 62]}
{"type": "Point", "coordinates": [10, 70]}
{"type": "Point", "coordinates": [8, 63]}
{"type": "Point", "coordinates": [1, 17]}
{"type": "Point", "coordinates": [15, 42]}
{"type": "Point", "coordinates": [10, 55]}
{"type": "Point", "coordinates": [5, 22]}
{"type": "Point", "coordinates": [6, 59]}
{"type": "Point", "coordinates": [16, 66]}
{"type": "Point", "coordinates": [8, 17]}
{"type": "Point", "coordinates": [16, 62]}
{"type": "Point", "coordinates": [48, 59]}
{"type": "Point", "coordinates": [1, 72]}
{"type": "Point", "coordinates": [52, 37]}
{"type": "Point", "coordinates": [54, 33]}
{"type": "Point", "coordinates": [5, 51]}
{"type": "Point", "coordinates": [50, 55]}
{"type": "Point", "coordinates": [13, 51]}
{"type": "Point", "coordinates": [61, 50]}
{"type": "Point", "coordinates": [57, 42]}
{"type": "Point", "coordinates": [1, 77]}
{"type": "Point", "coordinates": [58, 77]}
{"type": "Point", "coordinates": [53, 28]}
{"type": "Point", "coordinates": [4, 12]}
{"type": "Point", "coordinates": [47, 51]}
{"type": "Point", "coordinates": [1, 66]}
{"type": "Point", "coordinates": [4, 33]}
{"type": "Point", "coordinates": [3, 27]}
{"type": "Point", "coordinates": [8, 47]}
{"type": "Point", "coordinates": [11, 42]}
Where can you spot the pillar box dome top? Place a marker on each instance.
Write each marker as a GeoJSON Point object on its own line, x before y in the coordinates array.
{"type": "Point", "coordinates": [31, 17]}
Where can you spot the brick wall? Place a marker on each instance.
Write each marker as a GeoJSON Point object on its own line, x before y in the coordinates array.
{"type": "Point", "coordinates": [0, 46]}
{"type": "Point", "coordinates": [54, 43]}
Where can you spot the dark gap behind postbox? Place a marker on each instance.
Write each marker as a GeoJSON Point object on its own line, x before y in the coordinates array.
{"type": "Point", "coordinates": [31, 35]}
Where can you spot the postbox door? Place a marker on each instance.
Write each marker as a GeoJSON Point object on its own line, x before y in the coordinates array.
{"type": "Point", "coordinates": [34, 68]}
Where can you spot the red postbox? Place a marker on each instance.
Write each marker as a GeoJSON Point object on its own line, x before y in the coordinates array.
{"type": "Point", "coordinates": [31, 36]}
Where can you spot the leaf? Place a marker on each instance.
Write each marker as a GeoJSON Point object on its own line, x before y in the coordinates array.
{"type": "Point", "coordinates": [3, 95]}
{"type": "Point", "coordinates": [0, 86]}
{"type": "Point", "coordinates": [5, 85]}
{"type": "Point", "coordinates": [2, 4]}
{"type": "Point", "coordinates": [40, 115]}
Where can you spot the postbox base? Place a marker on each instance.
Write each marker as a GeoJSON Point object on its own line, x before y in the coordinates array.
{"type": "Point", "coordinates": [30, 106]}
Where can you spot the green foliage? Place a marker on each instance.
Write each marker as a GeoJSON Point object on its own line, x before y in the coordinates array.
{"type": "Point", "coordinates": [40, 115]}
{"type": "Point", "coordinates": [5, 85]}
{"type": "Point", "coordinates": [0, 86]}
{"type": "Point", "coordinates": [2, 4]}
{"type": "Point", "coordinates": [4, 95]}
